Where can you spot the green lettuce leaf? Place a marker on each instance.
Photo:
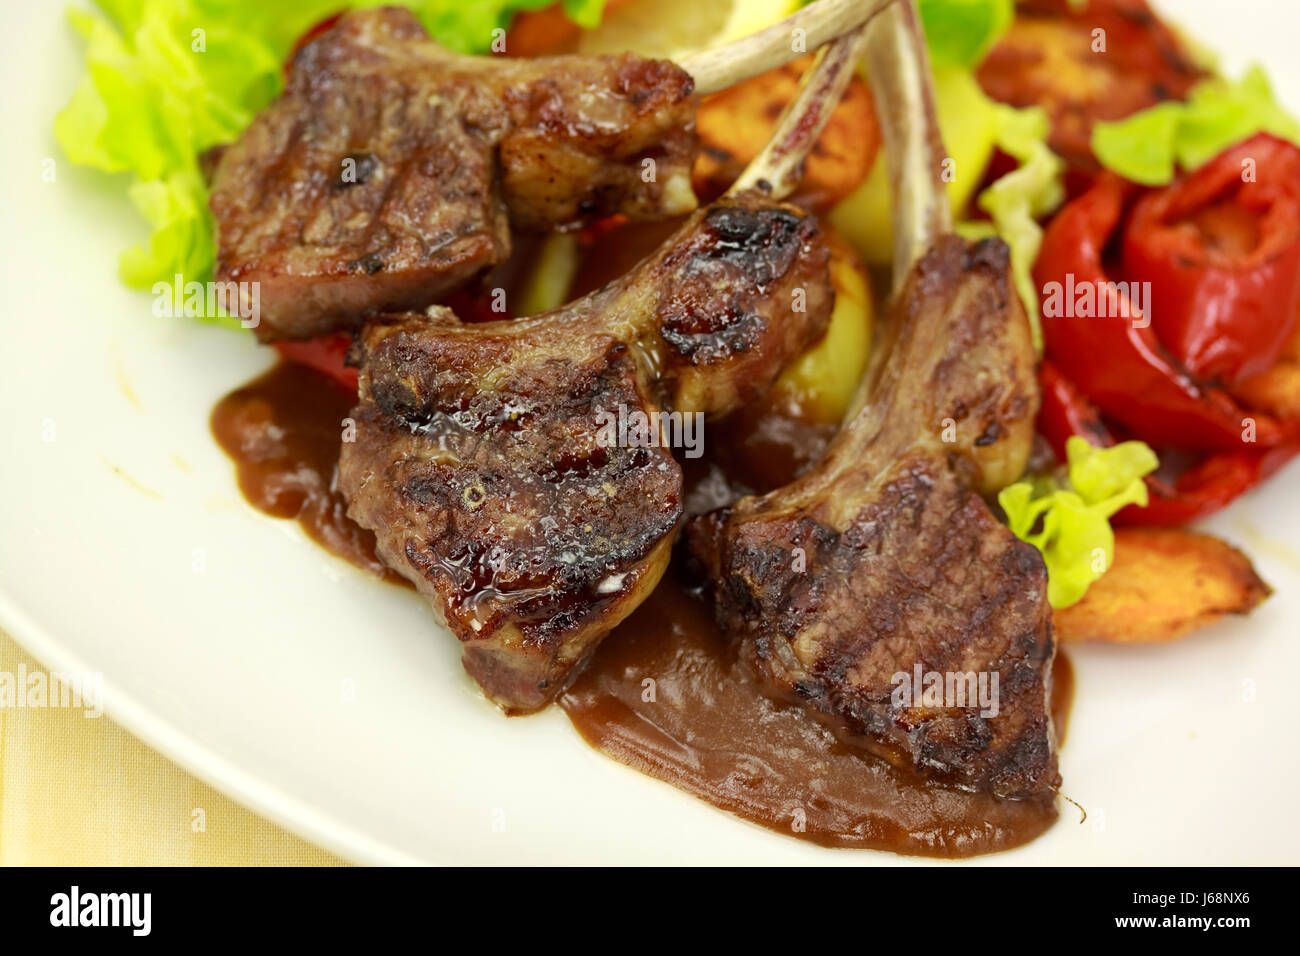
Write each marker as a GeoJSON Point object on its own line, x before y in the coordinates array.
{"type": "Point", "coordinates": [166, 80]}
{"type": "Point", "coordinates": [1069, 520]}
{"type": "Point", "coordinates": [960, 32]}
{"type": "Point", "coordinates": [1017, 200]}
{"type": "Point", "coordinates": [1150, 146]}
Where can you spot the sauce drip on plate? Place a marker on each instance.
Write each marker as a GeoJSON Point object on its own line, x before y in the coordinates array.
{"type": "Point", "coordinates": [283, 431]}
{"type": "Point", "coordinates": [665, 695]}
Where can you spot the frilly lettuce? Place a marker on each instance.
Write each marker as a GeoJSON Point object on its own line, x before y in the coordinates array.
{"type": "Point", "coordinates": [1069, 521]}
{"type": "Point", "coordinates": [1149, 146]}
{"type": "Point", "coordinates": [167, 79]}
{"type": "Point", "coordinates": [1016, 201]}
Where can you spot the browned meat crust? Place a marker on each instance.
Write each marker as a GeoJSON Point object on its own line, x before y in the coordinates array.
{"type": "Point", "coordinates": [528, 536]}
{"type": "Point", "coordinates": [390, 171]}
{"type": "Point", "coordinates": [480, 464]}
{"type": "Point", "coordinates": [883, 559]}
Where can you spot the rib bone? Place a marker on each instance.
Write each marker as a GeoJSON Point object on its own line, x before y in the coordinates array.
{"type": "Point", "coordinates": [901, 86]}
{"type": "Point", "coordinates": [883, 564]}
{"type": "Point", "coordinates": [820, 22]}
{"type": "Point", "coordinates": [779, 167]}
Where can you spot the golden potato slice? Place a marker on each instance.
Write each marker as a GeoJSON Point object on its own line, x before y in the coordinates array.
{"type": "Point", "coordinates": [545, 32]}
{"type": "Point", "coordinates": [1085, 62]}
{"type": "Point", "coordinates": [821, 383]}
{"type": "Point", "coordinates": [735, 125]}
{"type": "Point", "coordinates": [1164, 583]}
{"type": "Point", "coordinates": [551, 276]}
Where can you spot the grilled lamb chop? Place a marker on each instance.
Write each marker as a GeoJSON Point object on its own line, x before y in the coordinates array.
{"type": "Point", "coordinates": [482, 462]}
{"type": "Point", "coordinates": [884, 558]}
{"type": "Point", "coordinates": [391, 171]}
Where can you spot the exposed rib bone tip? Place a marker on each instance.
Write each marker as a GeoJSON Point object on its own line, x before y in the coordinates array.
{"type": "Point", "coordinates": [819, 23]}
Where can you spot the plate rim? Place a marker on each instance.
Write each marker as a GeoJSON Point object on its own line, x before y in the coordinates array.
{"type": "Point", "coordinates": [287, 811]}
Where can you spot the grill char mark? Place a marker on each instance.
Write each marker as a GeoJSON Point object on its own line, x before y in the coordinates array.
{"type": "Point", "coordinates": [479, 461]}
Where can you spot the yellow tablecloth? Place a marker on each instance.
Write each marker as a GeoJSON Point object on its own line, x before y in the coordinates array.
{"type": "Point", "coordinates": [82, 791]}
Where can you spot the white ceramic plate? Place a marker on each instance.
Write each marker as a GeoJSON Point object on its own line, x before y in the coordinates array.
{"type": "Point", "coordinates": [237, 672]}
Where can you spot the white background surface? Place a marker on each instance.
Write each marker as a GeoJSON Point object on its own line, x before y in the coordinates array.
{"type": "Point", "coordinates": [237, 672]}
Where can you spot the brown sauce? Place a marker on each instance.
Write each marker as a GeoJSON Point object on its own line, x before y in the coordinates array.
{"type": "Point", "coordinates": [706, 727]}
{"type": "Point", "coordinates": [665, 695]}
{"type": "Point", "coordinates": [283, 431]}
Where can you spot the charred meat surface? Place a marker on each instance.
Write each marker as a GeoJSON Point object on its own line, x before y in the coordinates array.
{"type": "Point", "coordinates": [489, 462]}
{"type": "Point", "coordinates": [527, 535]}
{"type": "Point", "coordinates": [884, 559]}
{"type": "Point", "coordinates": [390, 171]}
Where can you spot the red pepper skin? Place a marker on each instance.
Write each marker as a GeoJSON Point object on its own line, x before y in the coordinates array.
{"type": "Point", "coordinates": [1223, 260]}
{"type": "Point", "coordinates": [1114, 360]}
{"type": "Point", "coordinates": [1207, 486]}
{"type": "Point", "coordinates": [473, 305]}
{"type": "Point", "coordinates": [1066, 412]}
{"type": "Point", "coordinates": [1199, 491]}
{"type": "Point", "coordinates": [328, 353]}
{"type": "Point", "coordinates": [325, 354]}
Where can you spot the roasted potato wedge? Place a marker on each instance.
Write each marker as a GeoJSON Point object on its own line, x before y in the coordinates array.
{"type": "Point", "coordinates": [735, 125]}
{"type": "Point", "coordinates": [1084, 62]}
{"type": "Point", "coordinates": [1164, 583]}
{"type": "Point", "coordinates": [820, 384]}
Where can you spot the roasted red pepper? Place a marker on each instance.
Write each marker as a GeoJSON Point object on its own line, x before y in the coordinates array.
{"type": "Point", "coordinates": [325, 354]}
{"type": "Point", "coordinates": [1221, 251]}
{"type": "Point", "coordinates": [1114, 358]}
{"type": "Point", "coordinates": [1218, 260]}
{"type": "Point", "coordinates": [328, 353]}
{"type": "Point", "coordinates": [1066, 412]}
{"type": "Point", "coordinates": [1206, 485]}
{"type": "Point", "coordinates": [1176, 494]}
